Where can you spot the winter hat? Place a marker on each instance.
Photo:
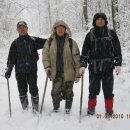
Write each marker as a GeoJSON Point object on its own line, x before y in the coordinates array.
{"type": "Point", "coordinates": [99, 15]}
{"type": "Point", "coordinates": [21, 23]}
{"type": "Point", "coordinates": [63, 24]}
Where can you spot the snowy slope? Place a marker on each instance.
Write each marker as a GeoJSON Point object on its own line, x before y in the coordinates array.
{"type": "Point", "coordinates": [26, 120]}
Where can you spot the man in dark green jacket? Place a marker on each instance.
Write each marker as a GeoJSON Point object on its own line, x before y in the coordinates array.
{"type": "Point", "coordinates": [24, 56]}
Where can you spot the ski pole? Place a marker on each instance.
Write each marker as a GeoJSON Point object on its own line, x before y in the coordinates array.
{"type": "Point", "coordinates": [9, 97]}
{"type": "Point", "coordinates": [81, 98]}
{"type": "Point", "coordinates": [44, 95]}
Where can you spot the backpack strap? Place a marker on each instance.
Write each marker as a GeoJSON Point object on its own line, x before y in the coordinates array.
{"type": "Point", "coordinates": [36, 54]}
{"type": "Point", "coordinates": [70, 43]}
{"type": "Point", "coordinates": [110, 37]}
{"type": "Point", "coordinates": [109, 33]}
{"type": "Point", "coordinates": [92, 36]}
{"type": "Point", "coordinates": [49, 42]}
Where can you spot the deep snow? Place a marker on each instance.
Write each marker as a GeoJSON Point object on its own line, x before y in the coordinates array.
{"type": "Point", "coordinates": [26, 120]}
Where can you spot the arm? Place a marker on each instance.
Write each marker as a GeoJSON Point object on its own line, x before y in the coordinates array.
{"type": "Point", "coordinates": [46, 56]}
{"type": "Point", "coordinates": [11, 59]}
{"type": "Point", "coordinates": [39, 42]}
{"type": "Point", "coordinates": [85, 51]}
{"type": "Point", "coordinates": [76, 58]}
{"type": "Point", "coordinates": [117, 50]}
{"type": "Point", "coordinates": [12, 55]}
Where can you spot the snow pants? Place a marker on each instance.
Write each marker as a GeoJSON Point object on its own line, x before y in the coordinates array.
{"type": "Point", "coordinates": [95, 80]}
{"type": "Point", "coordinates": [23, 80]}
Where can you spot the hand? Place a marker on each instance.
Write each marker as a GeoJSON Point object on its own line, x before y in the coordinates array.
{"type": "Point", "coordinates": [7, 74]}
{"type": "Point", "coordinates": [118, 70]}
{"type": "Point", "coordinates": [36, 56]}
{"type": "Point", "coordinates": [77, 80]}
{"type": "Point", "coordinates": [48, 71]}
{"type": "Point", "coordinates": [82, 71]}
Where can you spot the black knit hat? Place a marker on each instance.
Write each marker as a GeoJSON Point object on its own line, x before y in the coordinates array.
{"type": "Point", "coordinates": [99, 15]}
{"type": "Point", "coordinates": [21, 23]}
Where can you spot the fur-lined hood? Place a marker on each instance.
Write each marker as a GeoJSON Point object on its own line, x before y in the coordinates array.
{"type": "Point", "coordinates": [60, 22]}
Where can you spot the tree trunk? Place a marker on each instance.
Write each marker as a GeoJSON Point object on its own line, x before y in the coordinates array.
{"type": "Point", "coordinates": [39, 16]}
{"type": "Point", "coordinates": [49, 12]}
{"type": "Point", "coordinates": [85, 13]}
{"type": "Point", "coordinates": [116, 24]}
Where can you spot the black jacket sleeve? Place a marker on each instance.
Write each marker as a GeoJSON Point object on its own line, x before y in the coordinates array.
{"type": "Point", "coordinates": [39, 42]}
{"type": "Point", "coordinates": [12, 55]}
{"type": "Point", "coordinates": [117, 49]}
{"type": "Point", "coordinates": [85, 51]}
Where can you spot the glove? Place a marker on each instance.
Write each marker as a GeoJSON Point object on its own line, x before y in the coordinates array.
{"type": "Point", "coordinates": [48, 71]}
{"type": "Point", "coordinates": [82, 71]}
{"type": "Point", "coordinates": [118, 70]}
{"type": "Point", "coordinates": [77, 80]}
{"type": "Point", "coordinates": [36, 56]}
{"type": "Point", "coordinates": [7, 74]}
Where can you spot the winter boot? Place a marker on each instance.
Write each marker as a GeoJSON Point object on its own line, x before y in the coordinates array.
{"type": "Point", "coordinates": [109, 106]}
{"type": "Point", "coordinates": [68, 105]}
{"type": "Point", "coordinates": [91, 106]}
{"type": "Point", "coordinates": [56, 106]}
{"type": "Point", "coordinates": [24, 101]}
{"type": "Point", "coordinates": [35, 103]}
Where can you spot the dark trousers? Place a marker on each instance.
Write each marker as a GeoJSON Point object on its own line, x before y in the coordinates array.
{"type": "Point", "coordinates": [23, 80]}
{"type": "Point", "coordinates": [95, 80]}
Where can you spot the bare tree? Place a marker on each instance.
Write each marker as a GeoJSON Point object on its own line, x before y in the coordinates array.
{"type": "Point", "coordinates": [39, 13]}
{"type": "Point", "coordinates": [85, 12]}
{"type": "Point", "coordinates": [129, 4]}
{"type": "Point", "coordinates": [49, 12]}
{"type": "Point", "coordinates": [99, 6]}
{"type": "Point", "coordinates": [116, 24]}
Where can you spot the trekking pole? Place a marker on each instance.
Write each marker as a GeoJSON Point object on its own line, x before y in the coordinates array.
{"type": "Point", "coordinates": [9, 97]}
{"type": "Point", "coordinates": [44, 95]}
{"type": "Point", "coordinates": [81, 98]}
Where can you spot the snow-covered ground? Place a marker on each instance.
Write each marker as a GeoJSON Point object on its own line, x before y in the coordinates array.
{"type": "Point", "coordinates": [26, 120]}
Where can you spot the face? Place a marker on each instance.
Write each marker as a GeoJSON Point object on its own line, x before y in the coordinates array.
{"type": "Point", "coordinates": [60, 31]}
{"type": "Point", "coordinates": [22, 30]}
{"type": "Point", "coordinates": [100, 22]}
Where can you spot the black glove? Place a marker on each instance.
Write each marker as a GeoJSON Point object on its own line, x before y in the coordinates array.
{"type": "Point", "coordinates": [48, 71]}
{"type": "Point", "coordinates": [8, 72]}
{"type": "Point", "coordinates": [36, 56]}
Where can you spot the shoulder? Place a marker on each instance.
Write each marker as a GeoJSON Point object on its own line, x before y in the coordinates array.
{"type": "Point", "coordinates": [50, 39]}
{"type": "Point", "coordinates": [112, 31]}
{"type": "Point", "coordinates": [33, 38]}
{"type": "Point", "coordinates": [88, 37]}
{"type": "Point", "coordinates": [48, 42]}
{"type": "Point", "coordinates": [89, 33]}
{"type": "Point", "coordinates": [72, 41]}
{"type": "Point", "coordinates": [14, 43]}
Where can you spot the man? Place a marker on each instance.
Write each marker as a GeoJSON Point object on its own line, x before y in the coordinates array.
{"type": "Point", "coordinates": [102, 51]}
{"type": "Point", "coordinates": [23, 54]}
{"type": "Point", "coordinates": [61, 59]}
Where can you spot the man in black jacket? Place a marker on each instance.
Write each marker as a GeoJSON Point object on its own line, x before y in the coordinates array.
{"type": "Point", "coordinates": [24, 56]}
{"type": "Point", "coordinates": [102, 51]}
